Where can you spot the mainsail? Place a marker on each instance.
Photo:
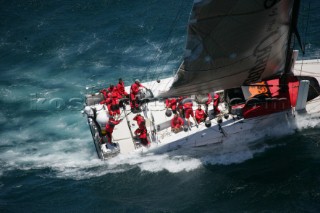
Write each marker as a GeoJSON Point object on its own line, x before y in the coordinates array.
{"type": "Point", "coordinates": [232, 43]}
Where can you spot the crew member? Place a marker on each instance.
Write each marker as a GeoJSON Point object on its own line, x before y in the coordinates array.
{"type": "Point", "coordinates": [121, 90]}
{"type": "Point", "coordinates": [111, 88]}
{"type": "Point", "coordinates": [134, 90]}
{"type": "Point", "coordinates": [140, 119]}
{"type": "Point", "coordinates": [143, 134]}
{"type": "Point", "coordinates": [180, 106]}
{"type": "Point", "coordinates": [200, 114]}
{"type": "Point", "coordinates": [114, 106]}
{"type": "Point", "coordinates": [107, 101]}
{"type": "Point", "coordinates": [105, 93]}
{"type": "Point", "coordinates": [208, 103]}
{"type": "Point", "coordinates": [176, 123]}
{"type": "Point", "coordinates": [216, 101]}
{"type": "Point", "coordinates": [109, 128]}
{"type": "Point", "coordinates": [172, 104]}
{"type": "Point", "coordinates": [188, 111]}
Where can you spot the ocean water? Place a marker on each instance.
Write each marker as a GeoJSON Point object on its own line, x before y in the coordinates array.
{"type": "Point", "coordinates": [50, 51]}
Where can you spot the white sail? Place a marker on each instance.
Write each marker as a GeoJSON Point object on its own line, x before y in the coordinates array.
{"type": "Point", "coordinates": [231, 43]}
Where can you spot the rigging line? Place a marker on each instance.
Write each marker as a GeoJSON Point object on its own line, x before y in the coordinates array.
{"type": "Point", "coordinates": [166, 44]}
{"type": "Point", "coordinates": [169, 36]}
{"type": "Point", "coordinates": [305, 35]}
{"type": "Point", "coordinates": [162, 72]}
{"type": "Point", "coordinates": [167, 40]}
{"type": "Point", "coordinates": [170, 54]}
{"type": "Point", "coordinates": [159, 73]}
{"type": "Point", "coordinates": [168, 60]}
{"type": "Point", "coordinates": [308, 19]}
{"type": "Point", "coordinates": [314, 88]}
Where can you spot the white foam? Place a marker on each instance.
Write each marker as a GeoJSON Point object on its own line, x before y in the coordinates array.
{"type": "Point", "coordinates": [307, 121]}
{"type": "Point", "coordinates": [155, 163]}
{"type": "Point", "coordinates": [75, 158]}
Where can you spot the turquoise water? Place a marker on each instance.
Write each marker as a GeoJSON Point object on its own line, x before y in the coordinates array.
{"type": "Point", "coordinates": [50, 51]}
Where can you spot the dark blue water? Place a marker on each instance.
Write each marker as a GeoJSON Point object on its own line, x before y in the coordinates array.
{"type": "Point", "coordinates": [50, 51]}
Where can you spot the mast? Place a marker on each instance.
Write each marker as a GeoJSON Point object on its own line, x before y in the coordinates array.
{"type": "Point", "coordinates": [292, 30]}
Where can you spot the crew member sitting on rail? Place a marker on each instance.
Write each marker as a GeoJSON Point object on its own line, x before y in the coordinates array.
{"type": "Point", "coordinates": [134, 90]}
{"type": "Point", "coordinates": [140, 119]}
{"type": "Point", "coordinates": [121, 90]}
{"type": "Point", "coordinates": [109, 128]}
{"type": "Point", "coordinates": [143, 134]}
{"type": "Point", "coordinates": [200, 114]}
{"type": "Point", "coordinates": [216, 101]}
{"type": "Point", "coordinates": [176, 123]}
{"type": "Point", "coordinates": [172, 104]}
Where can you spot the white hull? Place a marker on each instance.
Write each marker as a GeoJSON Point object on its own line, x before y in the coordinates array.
{"type": "Point", "coordinates": [231, 131]}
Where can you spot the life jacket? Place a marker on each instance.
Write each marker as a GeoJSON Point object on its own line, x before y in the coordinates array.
{"type": "Point", "coordinates": [142, 132]}
{"type": "Point", "coordinates": [171, 103]}
{"type": "Point", "coordinates": [107, 101]}
{"type": "Point", "coordinates": [139, 119]}
{"type": "Point", "coordinates": [199, 113]}
{"type": "Point", "coordinates": [105, 93]}
{"type": "Point", "coordinates": [209, 99]}
{"type": "Point", "coordinates": [134, 89]}
{"type": "Point", "coordinates": [175, 122]}
{"type": "Point", "coordinates": [180, 104]}
{"type": "Point", "coordinates": [187, 103]}
{"type": "Point", "coordinates": [120, 88]}
{"type": "Point", "coordinates": [216, 100]}
{"type": "Point", "coordinates": [111, 124]}
{"type": "Point", "coordinates": [115, 104]}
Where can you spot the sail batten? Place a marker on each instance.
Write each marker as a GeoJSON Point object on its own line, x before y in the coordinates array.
{"type": "Point", "coordinates": [231, 43]}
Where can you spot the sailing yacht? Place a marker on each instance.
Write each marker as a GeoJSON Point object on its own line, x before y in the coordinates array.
{"type": "Point", "coordinates": [242, 50]}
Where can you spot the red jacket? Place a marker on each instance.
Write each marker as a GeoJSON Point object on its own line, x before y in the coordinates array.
{"type": "Point", "coordinates": [105, 93]}
{"type": "Point", "coordinates": [209, 99]}
{"type": "Point", "coordinates": [176, 123]}
{"type": "Point", "coordinates": [135, 88]}
{"type": "Point", "coordinates": [109, 89]}
{"type": "Point", "coordinates": [120, 88]}
{"type": "Point", "coordinates": [180, 104]}
{"type": "Point", "coordinates": [139, 119]}
{"type": "Point", "coordinates": [141, 131]}
{"type": "Point", "coordinates": [111, 124]}
{"type": "Point", "coordinates": [107, 101]}
{"type": "Point", "coordinates": [171, 103]}
{"type": "Point", "coordinates": [199, 114]}
{"type": "Point", "coordinates": [114, 101]}
{"type": "Point", "coordinates": [187, 105]}
{"type": "Point", "coordinates": [216, 100]}
{"type": "Point", "coordinates": [115, 94]}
